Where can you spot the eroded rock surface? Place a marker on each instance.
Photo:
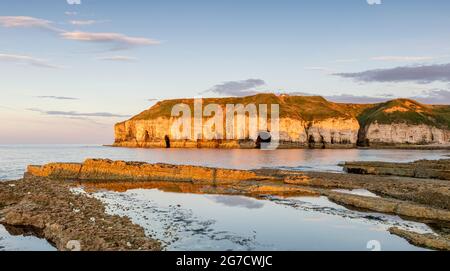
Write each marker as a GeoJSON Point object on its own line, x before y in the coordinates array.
{"type": "Point", "coordinates": [431, 193]}
{"type": "Point", "coordinates": [304, 122]}
{"type": "Point", "coordinates": [402, 133]}
{"type": "Point", "coordinates": [50, 210]}
{"type": "Point", "coordinates": [418, 199]}
{"type": "Point", "coordinates": [419, 169]}
{"type": "Point", "coordinates": [108, 170]}
{"type": "Point", "coordinates": [428, 240]}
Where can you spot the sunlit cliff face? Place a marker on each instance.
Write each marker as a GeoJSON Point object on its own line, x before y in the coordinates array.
{"type": "Point", "coordinates": [304, 122]}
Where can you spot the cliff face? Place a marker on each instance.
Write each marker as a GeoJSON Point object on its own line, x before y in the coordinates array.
{"type": "Point", "coordinates": [404, 122]}
{"type": "Point", "coordinates": [401, 133]}
{"type": "Point", "coordinates": [304, 122]}
{"type": "Point", "coordinates": [333, 131]}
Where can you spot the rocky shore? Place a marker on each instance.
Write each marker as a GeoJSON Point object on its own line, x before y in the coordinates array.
{"type": "Point", "coordinates": [68, 220]}
{"type": "Point", "coordinates": [55, 213]}
{"type": "Point", "coordinates": [418, 169]}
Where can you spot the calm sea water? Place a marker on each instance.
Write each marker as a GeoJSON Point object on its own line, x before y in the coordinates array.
{"type": "Point", "coordinates": [22, 243]}
{"type": "Point", "coordinates": [219, 222]}
{"type": "Point", "coordinates": [15, 158]}
{"type": "Point", "coordinates": [207, 222]}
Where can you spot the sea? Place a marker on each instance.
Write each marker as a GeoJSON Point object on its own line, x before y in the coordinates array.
{"type": "Point", "coordinates": [222, 222]}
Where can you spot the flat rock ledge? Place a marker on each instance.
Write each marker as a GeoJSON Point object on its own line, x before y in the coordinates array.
{"type": "Point", "coordinates": [419, 199]}
{"type": "Point", "coordinates": [428, 240]}
{"type": "Point", "coordinates": [69, 221]}
{"type": "Point", "coordinates": [102, 170]}
{"type": "Point", "coordinates": [419, 169]}
{"type": "Point", "coordinates": [391, 206]}
{"type": "Point", "coordinates": [406, 197]}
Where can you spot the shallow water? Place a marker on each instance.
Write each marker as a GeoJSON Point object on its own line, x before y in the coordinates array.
{"type": "Point", "coordinates": [224, 222]}
{"type": "Point", "coordinates": [358, 192]}
{"type": "Point", "coordinates": [220, 222]}
{"type": "Point", "coordinates": [15, 158]}
{"type": "Point", "coordinates": [22, 243]}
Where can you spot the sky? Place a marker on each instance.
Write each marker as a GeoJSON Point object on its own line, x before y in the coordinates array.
{"type": "Point", "coordinates": [70, 69]}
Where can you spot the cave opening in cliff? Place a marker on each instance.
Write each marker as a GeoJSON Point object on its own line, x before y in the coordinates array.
{"type": "Point", "coordinates": [322, 141]}
{"type": "Point", "coordinates": [311, 141]}
{"type": "Point", "coordinates": [146, 137]}
{"type": "Point", "coordinates": [362, 140]}
{"type": "Point", "coordinates": [263, 137]}
{"type": "Point", "coordinates": [167, 140]}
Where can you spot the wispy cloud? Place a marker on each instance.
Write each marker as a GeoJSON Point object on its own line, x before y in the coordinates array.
{"type": "Point", "coordinates": [85, 119]}
{"type": "Point", "coordinates": [7, 107]}
{"type": "Point", "coordinates": [374, 2]}
{"type": "Point", "coordinates": [118, 58]}
{"type": "Point", "coordinates": [363, 99]}
{"type": "Point", "coordinates": [237, 88]}
{"type": "Point", "coordinates": [346, 98]}
{"type": "Point", "coordinates": [434, 96]}
{"type": "Point", "coordinates": [320, 69]}
{"type": "Point", "coordinates": [27, 22]}
{"type": "Point", "coordinates": [73, 2]}
{"type": "Point", "coordinates": [403, 58]}
{"type": "Point", "coordinates": [247, 203]}
{"type": "Point", "coordinates": [71, 13]}
{"type": "Point", "coordinates": [57, 97]}
{"type": "Point", "coordinates": [346, 60]}
{"type": "Point", "coordinates": [83, 22]}
{"type": "Point", "coordinates": [23, 59]}
{"type": "Point", "coordinates": [79, 114]}
{"type": "Point", "coordinates": [420, 74]}
{"type": "Point", "coordinates": [120, 41]}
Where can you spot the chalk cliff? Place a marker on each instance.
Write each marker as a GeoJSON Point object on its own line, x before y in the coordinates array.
{"type": "Point", "coordinates": [406, 122]}
{"type": "Point", "coordinates": [304, 122]}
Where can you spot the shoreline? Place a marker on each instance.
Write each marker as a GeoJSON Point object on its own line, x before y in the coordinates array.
{"type": "Point", "coordinates": [281, 147]}
{"type": "Point", "coordinates": [68, 221]}
{"type": "Point", "coordinates": [422, 200]}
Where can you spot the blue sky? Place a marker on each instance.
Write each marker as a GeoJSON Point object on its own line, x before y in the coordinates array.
{"type": "Point", "coordinates": [69, 72]}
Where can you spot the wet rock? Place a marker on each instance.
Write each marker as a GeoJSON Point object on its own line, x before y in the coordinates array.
{"type": "Point", "coordinates": [392, 206]}
{"type": "Point", "coordinates": [107, 170]}
{"type": "Point", "coordinates": [409, 194]}
{"type": "Point", "coordinates": [48, 213]}
{"type": "Point", "coordinates": [297, 180]}
{"type": "Point", "coordinates": [55, 170]}
{"type": "Point", "coordinates": [429, 192]}
{"type": "Point", "coordinates": [281, 190]}
{"type": "Point", "coordinates": [420, 169]}
{"type": "Point", "coordinates": [428, 240]}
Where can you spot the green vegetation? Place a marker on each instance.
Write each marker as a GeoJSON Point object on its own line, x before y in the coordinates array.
{"type": "Point", "coordinates": [310, 108]}
{"type": "Point", "coordinates": [406, 111]}
{"type": "Point", "coordinates": [295, 107]}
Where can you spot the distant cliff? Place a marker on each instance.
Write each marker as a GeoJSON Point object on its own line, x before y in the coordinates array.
{"type": "Point", "coordinates": [305, 122]}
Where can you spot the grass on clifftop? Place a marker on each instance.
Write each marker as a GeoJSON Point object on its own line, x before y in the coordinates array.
{"type": "Point", "coordinates": [407, 111]}
{"type": "Point", "coordinates": [311, 108]}
{"type": "Point", "coordinates": [296, 107]}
